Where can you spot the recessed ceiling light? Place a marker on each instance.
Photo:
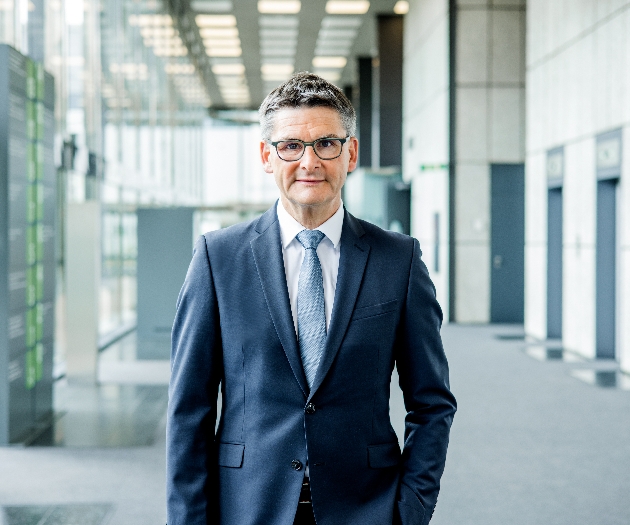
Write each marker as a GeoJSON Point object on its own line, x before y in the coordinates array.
{"type": "Point", "coordinates": [218, 32]}
{"type": "Point", "coordinates": [222, 42]}
{"type": "Point", "coordinates": [278, 42]}
{"type": "Point", "coordinates": [228, 69]}
{"type": "Point", "coordinates": [238, 79]}
{"type": "Point", "coordinates": [328, 74]}
{"type": "Point", "coordinates": [342, 21]}
{"type": "Point", "coordinates": [211, 6]}
{"type": "Point", "coordinates": [224, 51]}
{"type": "Point", "coordinates": [347, 7]}
{"type": "Point", "coordinates": [281, 7]}
{"type": "Point", "coordinates": [150, 20]}
{"type": "Point", "coordinates": [278, 33]}
{"type": "Point", "coordinates": [326, 33]}
{"type": "Point", "coordinates": [215, 20]}
{"type": "Point", "coordinates": [401, 7]}
{"type": "Point", "coordinates": [278, 21]}
{"type": "Point", "coordinates": [277, 52]}
{"type": "Point", "coordinates": [332, 42]}
{"type": "Point", "coordinates": [324, 62]}
{"type": "Point", "coordinates": [278, 69]}
{"type": "Point", "coordinates": [170, 51]}
{"type": "Point", "coordinates": [345, 51]}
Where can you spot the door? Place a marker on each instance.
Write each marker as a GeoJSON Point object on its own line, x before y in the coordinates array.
{"type": "Point", "coordinates": [606, 255]}
{"type": "Point", "coordinates": [507, 278]}
{"type": "Point", "coordinates": [554, 263]}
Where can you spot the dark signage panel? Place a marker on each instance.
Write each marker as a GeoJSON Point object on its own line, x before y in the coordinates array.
{"type": "Point", "coordinates": [27, 245]}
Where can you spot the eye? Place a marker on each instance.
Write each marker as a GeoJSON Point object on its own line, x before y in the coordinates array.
{"type": "Point", "coordinates": [290, 146]}
{"type": "Point", "coordinates": [326, 143]}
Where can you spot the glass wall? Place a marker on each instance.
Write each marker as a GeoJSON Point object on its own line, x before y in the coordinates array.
{"type": "Point", "coordinates": [132, 129]}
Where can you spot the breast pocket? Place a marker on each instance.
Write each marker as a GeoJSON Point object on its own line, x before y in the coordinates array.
{"type": "Point", "coordinates": [374, 310]}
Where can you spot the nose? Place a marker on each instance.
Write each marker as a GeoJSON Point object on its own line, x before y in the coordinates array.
{"type": "Point", "coordinates": [310, 160]}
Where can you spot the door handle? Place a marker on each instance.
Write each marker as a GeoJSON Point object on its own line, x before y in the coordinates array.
{"type": "Point", "coordinates": [497, 262]}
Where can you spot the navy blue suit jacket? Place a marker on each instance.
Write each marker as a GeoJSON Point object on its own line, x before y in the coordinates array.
{"type": "Point", "coordinates": [234, 328]}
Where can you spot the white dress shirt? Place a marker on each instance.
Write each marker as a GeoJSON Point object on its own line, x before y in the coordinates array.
{"type": "Point", "coordinates": [327, 251]}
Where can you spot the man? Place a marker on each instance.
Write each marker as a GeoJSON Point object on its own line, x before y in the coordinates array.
{"type": "Point", "coordinates": [300, 316]}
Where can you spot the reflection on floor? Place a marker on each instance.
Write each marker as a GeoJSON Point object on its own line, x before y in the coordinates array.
{"type": "Point", "coordinates": [603, 378]}
{"type": "Point", "coordinates": [56, 515]}
{"type": "Point", "coordinates": [542, 352]}
{"type": "Point", "coordinates": [123, 410]}
{"type": "Point", "coordinates": [109, 415]}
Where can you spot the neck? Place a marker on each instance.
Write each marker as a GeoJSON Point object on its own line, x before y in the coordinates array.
{"type": "Point", "coordinates": [311, 217]}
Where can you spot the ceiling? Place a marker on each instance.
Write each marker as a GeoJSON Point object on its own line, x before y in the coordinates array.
{"type": "Point", "coordinates": [242, 49]}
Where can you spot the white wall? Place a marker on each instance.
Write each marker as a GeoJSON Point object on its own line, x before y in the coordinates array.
{"type": "Point", "coordinates": [578, 78]}
{"type": "Point", "coordinates": [425, 131]}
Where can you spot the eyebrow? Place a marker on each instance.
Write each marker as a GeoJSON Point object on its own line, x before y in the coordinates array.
{"type": "Point", "coordinates": [329, 136]}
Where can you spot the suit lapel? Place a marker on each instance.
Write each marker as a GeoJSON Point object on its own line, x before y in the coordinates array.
{"type": "Point", "coordinates": [267, 252]}
{"type": "Point", "coordinates": [352, 261]}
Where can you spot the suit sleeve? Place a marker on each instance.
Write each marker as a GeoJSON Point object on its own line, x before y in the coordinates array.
{"type": "Point", "coordinates": [192, 408]}
{"type": "Point", "coordinates": [423, 373]}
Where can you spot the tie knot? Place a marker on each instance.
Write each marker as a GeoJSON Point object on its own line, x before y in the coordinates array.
{"type": "Point", "coordinates": [310, 238]}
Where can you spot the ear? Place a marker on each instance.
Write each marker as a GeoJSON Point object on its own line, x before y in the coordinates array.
{"type": "Point", "coordinates": [265, 152]}
{"type": "Point", "coordinates": [353, 150]}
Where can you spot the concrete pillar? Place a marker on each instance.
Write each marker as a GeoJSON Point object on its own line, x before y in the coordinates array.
{"type": "Point", "coordinates": [390, 50]}
{"type": "Point", "coordinates": [364, 108]}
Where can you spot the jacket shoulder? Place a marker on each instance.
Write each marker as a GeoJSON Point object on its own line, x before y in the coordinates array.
{"type": "Point", "coordinates": [378, 235]}
{"type": "Point", "coordinates": [231, 237]}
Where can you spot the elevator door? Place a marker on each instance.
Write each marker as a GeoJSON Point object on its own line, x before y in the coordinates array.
{"type": "Point", "coordinates": [606, 268]}
{"type": "Point", "coordinates": [554, 263]}
{"type": "Point", "coordinates": [507, 278]}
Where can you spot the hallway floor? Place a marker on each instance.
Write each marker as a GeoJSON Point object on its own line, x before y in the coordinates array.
{"type": "Point", "coordinates": [540, 437]}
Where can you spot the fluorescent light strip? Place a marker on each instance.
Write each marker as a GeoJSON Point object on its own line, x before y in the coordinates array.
{"type": "Point", "coordinates": [228, 69]}
{"type": "Point", "coordinates": [330, 75]}
{"type": "Point", "coordinates": [273, 32]}
{"type": "Point", "coordinates": [218, 32]}
{"type": "Point", "coordinates": [278, 43]}
{"type": "Point", "coordinates": [215, 20]}
{"type": "Point", "coordinates": [285, 69]}
{"type": "Point", "coordinates": [222, 42]}
{"type": "Point", "coordinates": [326, 33]}
{"type": "Point", "coordinates": [150, 20]}
{"type": "Point", "coordinates": [211, 6]}
{"type": "Point", "coordinates": [282, 7]}
{"type": "Point", "coordinates": [277, 53]}
{"type": "Point", "coordinates": [329, 62]}
{"type": "Point", "coordinates": [224, 51]}
{"type": "Point", "coordinates": [342, 21]}
{"type": "Point", "coordinates": [347, 7]}
{"type": "Point", "coordinates": [278, 21]}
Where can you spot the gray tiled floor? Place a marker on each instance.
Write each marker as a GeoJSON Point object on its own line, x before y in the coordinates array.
{"type": "Point", "coordinates": [84, 514]}
{"type": "Point", "coordinates": [531, 444]}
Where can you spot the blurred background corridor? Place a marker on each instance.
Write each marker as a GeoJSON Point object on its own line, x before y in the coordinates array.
{"type": "Point", "coordinates": [497, 132]}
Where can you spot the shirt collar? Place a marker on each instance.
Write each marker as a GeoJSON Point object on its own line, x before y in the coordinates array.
{"type": "Point", "coordinates": [289, 227]}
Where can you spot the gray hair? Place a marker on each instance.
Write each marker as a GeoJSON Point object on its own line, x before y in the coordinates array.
{"type": "Point", "coordinates": [306, 90]}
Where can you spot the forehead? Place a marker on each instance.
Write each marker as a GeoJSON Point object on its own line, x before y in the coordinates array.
{"type": "Point", "coordinates": [307, 123]}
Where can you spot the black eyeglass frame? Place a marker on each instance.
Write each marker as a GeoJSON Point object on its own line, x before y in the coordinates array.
{"type": "Point", "coordinates": [312, 145]}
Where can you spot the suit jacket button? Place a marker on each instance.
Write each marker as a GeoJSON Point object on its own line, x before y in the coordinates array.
{"type": "Point", "coordinates": [310, 408]}
{"type": "Point", "coordinates": [296, 464]}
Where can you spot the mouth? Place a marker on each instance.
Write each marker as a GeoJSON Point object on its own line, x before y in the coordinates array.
{"type": "Point", "coordinates": [309, 181]}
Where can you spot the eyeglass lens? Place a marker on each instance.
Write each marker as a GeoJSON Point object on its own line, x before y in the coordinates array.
{"type": "Point", "coordinates": [325, 149]}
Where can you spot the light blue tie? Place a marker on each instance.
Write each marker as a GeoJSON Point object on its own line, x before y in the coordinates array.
{"type": "Point", "coordinates": [310, 305]}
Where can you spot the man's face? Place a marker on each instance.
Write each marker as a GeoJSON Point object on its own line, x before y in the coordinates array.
{"type": "Point", "coordinates": [309, 181]}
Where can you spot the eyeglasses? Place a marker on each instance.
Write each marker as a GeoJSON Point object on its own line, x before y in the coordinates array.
{"type": "Point", "coordinates": [327, 148]}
